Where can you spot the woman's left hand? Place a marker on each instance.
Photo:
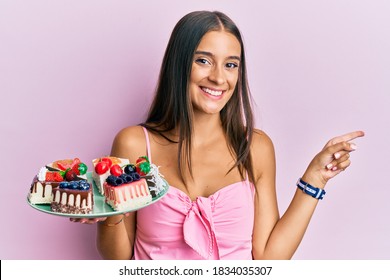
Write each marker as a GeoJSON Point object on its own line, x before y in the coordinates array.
{"type": "Point", "coordinates": [334, 158]}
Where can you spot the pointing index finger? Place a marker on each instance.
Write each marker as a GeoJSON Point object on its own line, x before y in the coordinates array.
{"type": "Point", "coordinates": [348, 137]}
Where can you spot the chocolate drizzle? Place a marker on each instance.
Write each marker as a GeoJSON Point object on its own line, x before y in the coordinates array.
{"type": "Point", "coordinates": [72, 201]}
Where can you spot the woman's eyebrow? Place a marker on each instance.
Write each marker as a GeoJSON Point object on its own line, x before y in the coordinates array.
{"type": "Point", "coordinates": [211, 55]}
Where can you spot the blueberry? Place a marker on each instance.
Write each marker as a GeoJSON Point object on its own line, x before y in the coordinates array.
{"type": "Point", "coordinates": [64, 185]}
{"type": "Point", "coordinates": [84, 185]}
{"type": "Point", "coordinates": [118, 181]}
{"type": "Point", "coordinates": [129, 169]}
{"type": "Point", "coordinates": [136, 176]}
{"type": "Point", "coordinates": [114, 180]}
{"type": "Point", "coordinates": [111, 180]}
{"type": "Point", "coordinates": [126, 178]}
{"type": "Point", "coordinates": [73, 185]}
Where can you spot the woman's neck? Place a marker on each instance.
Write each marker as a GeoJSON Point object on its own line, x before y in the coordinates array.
{"type": "Point", "coordinates": [206, 128]}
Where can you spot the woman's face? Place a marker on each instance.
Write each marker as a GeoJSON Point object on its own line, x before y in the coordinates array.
{"type": "Point", "coordinates": [214, 71]}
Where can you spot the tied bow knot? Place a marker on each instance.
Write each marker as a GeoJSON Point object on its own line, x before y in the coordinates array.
{"type": "Point", "coordinates": [198, 229]}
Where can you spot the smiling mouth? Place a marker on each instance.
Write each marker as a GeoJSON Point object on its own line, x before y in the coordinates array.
{"type": "Point", "coordinates": [212, 92]}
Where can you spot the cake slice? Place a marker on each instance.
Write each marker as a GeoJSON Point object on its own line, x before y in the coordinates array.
{"type": "Point", "coordinates": [102, 167]}
{"type": "Point", "coordinates": [124, 187]}
{"type": "Point", "coordinates": [63, 184]}
{"type": "Point", "coordinates": [47, 179]}
{"type": "Point", "coordinates": [41, 191]}
{"type": "Point", "coordinates": [75, 197]}
{"type": "Point", "coordinates": [126, 195]}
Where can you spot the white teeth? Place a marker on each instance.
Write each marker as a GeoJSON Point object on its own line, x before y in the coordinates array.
{"type": "Point", "coordinates": [212, 92]}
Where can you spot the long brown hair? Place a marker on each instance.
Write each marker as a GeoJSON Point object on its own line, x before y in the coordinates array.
{"type": "Point", "coordinates": [172, 109]}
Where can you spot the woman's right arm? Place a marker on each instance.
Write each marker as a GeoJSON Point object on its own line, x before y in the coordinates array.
{"type": "Point", "coordinates": [116, 234]}
{"type": "Point", "coordinates": [115, 237]}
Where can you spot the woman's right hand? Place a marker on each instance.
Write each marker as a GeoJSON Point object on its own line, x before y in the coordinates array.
{"type": "Point", "coordinates": [111, 220]}
{"type": "Point", "coordinates": [88, 221]}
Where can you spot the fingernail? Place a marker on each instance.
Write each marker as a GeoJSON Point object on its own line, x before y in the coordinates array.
{"type": "Point", "coordinates": [336, 155]}
{"type": "Point", "coordinates": [353, 146]}
{"type": "Point", "coordinates": [329, 166]}
{"type": "Point", "coordinates": [334, 168]}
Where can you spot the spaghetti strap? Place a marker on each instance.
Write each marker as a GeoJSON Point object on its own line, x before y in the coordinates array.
{"type": "Point", "coordinates": [251, 185]}
{"type": "Point", "coordinates": [247, 177]}
{"type": "Point", "coordinates": [149, 154]}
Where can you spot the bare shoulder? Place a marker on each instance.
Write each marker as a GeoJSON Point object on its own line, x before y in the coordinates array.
{"type": "Point", "coordinates": [129, 143]}
{"type": "Point", "coordinates": [261, 143]}
{"type": "Point", "coordinates": [263, 153]}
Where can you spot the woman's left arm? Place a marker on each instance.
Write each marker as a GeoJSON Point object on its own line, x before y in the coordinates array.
{"type": "Point", "coordinates": [281, 239]}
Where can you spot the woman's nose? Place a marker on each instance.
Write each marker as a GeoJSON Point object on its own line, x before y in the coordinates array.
{"type": "Point", "coordinates": [217, 75]}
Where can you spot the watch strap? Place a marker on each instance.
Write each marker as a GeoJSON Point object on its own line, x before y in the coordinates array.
{"type": "Point", "coordinates": [310, 190]}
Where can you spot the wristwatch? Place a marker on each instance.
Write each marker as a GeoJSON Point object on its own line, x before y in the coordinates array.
{"type": "Point", "coordinates": [310, 190]}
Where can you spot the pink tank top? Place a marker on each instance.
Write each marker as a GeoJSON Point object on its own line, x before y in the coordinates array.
{"type": "Point", "coordinates": [216, 227]}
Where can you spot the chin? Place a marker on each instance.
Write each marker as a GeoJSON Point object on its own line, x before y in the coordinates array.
{"type": "Point", "coordinates": [209, 111]}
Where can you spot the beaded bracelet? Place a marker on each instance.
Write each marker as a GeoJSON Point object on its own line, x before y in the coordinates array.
{"type": "Point", "coordinates": [310, 190]}
{"type": "Point", "coordinates": [111, 225]}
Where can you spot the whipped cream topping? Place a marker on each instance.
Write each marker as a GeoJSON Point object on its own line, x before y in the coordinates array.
{"type": "Point", "coordinates": [42, 174]}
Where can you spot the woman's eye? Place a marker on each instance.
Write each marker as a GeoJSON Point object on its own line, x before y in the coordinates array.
{"type": "Point", "coordinates": [231, 65]}
{"type": "Point", "coordinates": [202, 61]}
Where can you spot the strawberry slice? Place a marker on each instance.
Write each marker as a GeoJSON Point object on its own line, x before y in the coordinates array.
{"type": "Point", "coordinates": [58, 177]}
{"type": "Point", "coordinates": [49, 176]}
{"type": "Point", "coordinates": [52, 176]}
{"type": "Point", "coordinates": [75, 162]}
{"type": "Point", "coordinates": [63, 164]}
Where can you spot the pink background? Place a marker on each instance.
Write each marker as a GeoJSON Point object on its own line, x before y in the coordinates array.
{"type": "Point", "coordinates": [72, 73]}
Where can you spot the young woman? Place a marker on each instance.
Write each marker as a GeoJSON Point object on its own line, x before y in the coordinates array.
{"type": "Point", "coordinates": [221, 203]}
